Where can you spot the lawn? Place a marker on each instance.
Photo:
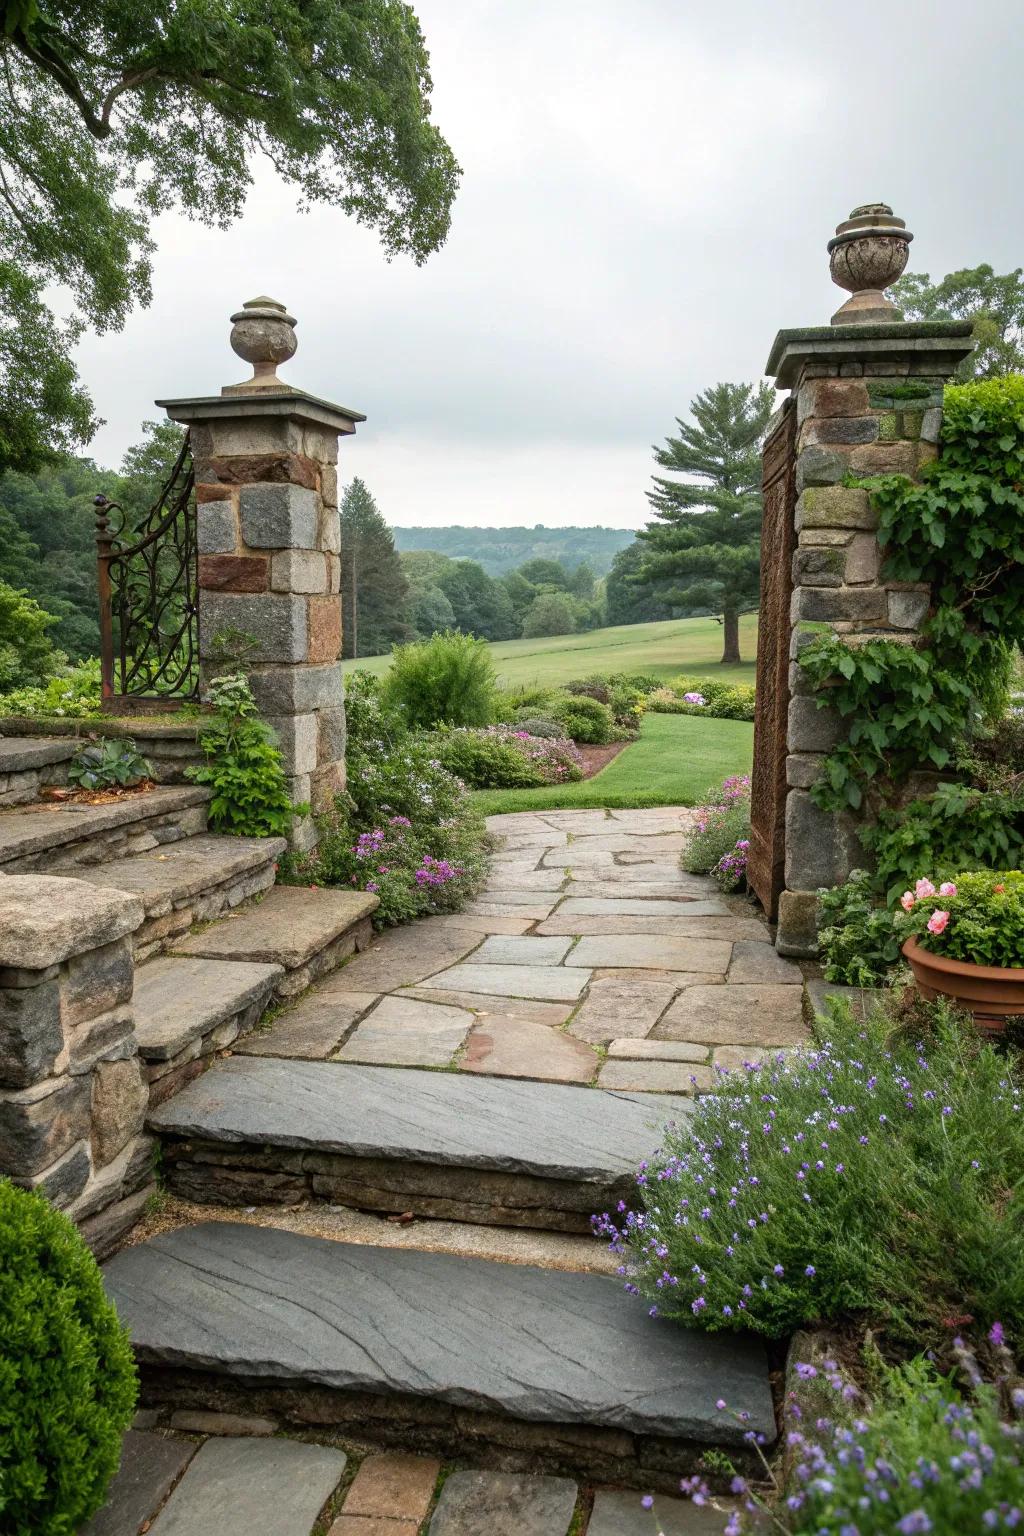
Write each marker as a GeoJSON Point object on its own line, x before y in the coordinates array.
{"type": "Point", "coordinates": [673, 761]}
{"type": "Point", "coordinates": [667, 649]}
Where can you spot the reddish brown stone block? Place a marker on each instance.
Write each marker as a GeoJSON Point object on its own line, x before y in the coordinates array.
{"type": "Point", "coordinates": [234, 573]}
{"type": "Point", "coordinates": [393, 1486]}
{"type": "Point", "coordinates": [324, 629]}
{"type": "Point", "coordinates": [213, 493]}
{"type": "Point", "coordinates": [837, 397]}
{"type": "Point", "coordinates": [885, 459]}
{"type": "Point", "coordinates": [256, 468]}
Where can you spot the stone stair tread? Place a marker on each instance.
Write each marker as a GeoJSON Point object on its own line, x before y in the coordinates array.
{"type": "Point", "coordinates": [176, 871]}
{"type": "Point", "coordinates": [550, 1130]}
{"type": "Point", "coordinates": [37, 828]}
{"type": "Point", "coordinates": [19, 754]}
{"type": "Point", "coordinates": [290, 925]}
{"type": "Point", "coordinates": [543, 1346]}
{"type": "Point", "coordinates": [178, 1000]}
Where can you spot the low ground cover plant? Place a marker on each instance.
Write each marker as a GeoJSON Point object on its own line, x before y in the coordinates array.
{"type": "Point", "coordinates": [507, 757]}
{"type": "Point", "coordinates": [857, 938]}
{"type": "Point", "coordinates": [72, 694]}
{"type": "Point", "coordinates": [243, 766]}
{"type": "Point", "coordinates": [876, 1176]}
{"type": "Point", "coordinates": [67, 1378]}
{"type": "Point", "coordinates": [114, 763]}
{"type": "Point", "coordinates": [720, 840]}
{"type": "Point", "coordinates": [700, 696]}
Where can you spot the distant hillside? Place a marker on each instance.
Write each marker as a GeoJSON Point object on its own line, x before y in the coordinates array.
{"type": "Point", "coordinates": [501, 549]}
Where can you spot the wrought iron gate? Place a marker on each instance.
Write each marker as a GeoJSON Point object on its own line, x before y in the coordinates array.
{"type": "Point", "coordinates": [767, 857]}
{"type": "Point", "coordinates": [149, 597]}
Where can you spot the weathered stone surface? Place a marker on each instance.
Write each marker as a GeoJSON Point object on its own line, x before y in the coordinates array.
{"type": "Point", "coordinates": [216, 525]}
{"type": "Point", "coordinates": [841, 430]}
{"type": "Point", "coordinates": [234, 573]}
{"type": "Point", "coordinates": [862, 559]}
{"type": "Point", "coordinates": [19, 754]}
{"type": "Point", "coordinates": [65, 1179]}
{"type": "Point", "coordinates": [834, 506]}
{"type": "Point", "coordinates": [676, 886]}
{"type": "Point", "coordinates": [119, 1099]}
{"type": "Point", "coordinates": [552, 1130]}
{"type": "Point", "coordinates": [654, 1077]}
{"type": "Point", "coordinates": [614, 1009]}
{"type": "Point", "coordinates": [798, 924]}
{"type": "Point", "coordinates": [404, 1032]}
{"type": "Point", "coordinates": [760, 963]}
{"type": "Point", "coordinates": [831, 397]}
{"type": "Point", "coordinates": [296, 690]}
{"type": "Point", "coordinates": [278, 516]}
{"type": "Point", "coordinates": [818, 567]}
{"type": "Point", "coordinates": [908, 610]}
{"type": "Point", "coordinates": [96, 982]}
{"type": "Point", "coordinates": [324, 628]}
{"type": "Point", "coordinates": [52, 830]}
{"type": "Point", "coordinates": [39, 1124]}
{"type": "Point", "coordinates": [31, 1037]}
{"type": "Point", "coordinates": [501, 950]}
{"type": "Point", "coordinates": [541, 1346]}
{"type": "Point", "coordinates": [171, 875]}
{"type": "Point", "coordinates": [817, 466]}
{"type": "Point", "coordinates": [861, 605]}
{"type": "Point", "coordinates": [103, 1231]}
{"type": "Point", "coordinates": [197, 1421]}
{"type": "Point", "coordinates": [394, 1486]}
{"type": "Point", "coordinates": [634, 906]}
{"type": "Point", "coordinates": [275, 620]}
{"type": "Point", "coordinates": [736, 1015]}
{"type": "Point", "coordinates": [298, 570]}
{"type": "Point", "coordinates": [400, 957]}
{"type": "Point", "coordinates": [730, 929]}
{"type": "Point", "coordinates": [44, 919]}
{"type": "Point", "coordinates": [288, 927]}
{"type": "Point", "coordinates": [150, 1464]}
{"type": "Point", "coordinates": [656, 1050]}
{"type": "Point", "coordinates": [235, 1487]}
{"type": "Point", "coordinates": [821, 846]}
{"type": "Point", "coordinates": [508, 1007]}
{"type": "Point", "coordinates": [312, 1030]}
{"type": "Point", "coordinates": [622, 1514]}
{"type": "Point", "coordinates": [736, 1058]}
{"type": "Point", "coordinates": [643, 952]}
{"type": "Point", "coordinates": [510, 1047]}
{"type": "Point", "coordinates": [526, 904]}
{"type": "Point", "coordinates": [557, 982]}
{"type": "Point", "coordinates": [178, 1001]}
{"type": "Point", "coordinates": [503, 1504]}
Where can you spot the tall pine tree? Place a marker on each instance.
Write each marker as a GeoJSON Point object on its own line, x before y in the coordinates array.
{"type": "Point", "coordinates": [374, 591]}
{"type": "Point", "coordinates": [704, 550]}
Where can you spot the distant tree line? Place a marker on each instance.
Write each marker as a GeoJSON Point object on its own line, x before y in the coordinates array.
{"type": "Point", "coordinates": [500, 550]}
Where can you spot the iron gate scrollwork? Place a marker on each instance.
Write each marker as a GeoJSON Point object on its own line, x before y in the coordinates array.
{"type": "Point", "coordinates": [767, 857]}
{"type": "Point", "coordinates": [149, 597]}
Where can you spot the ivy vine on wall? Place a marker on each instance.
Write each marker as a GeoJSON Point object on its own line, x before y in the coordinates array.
{"type": "Point", "coordinates": [960, 530]}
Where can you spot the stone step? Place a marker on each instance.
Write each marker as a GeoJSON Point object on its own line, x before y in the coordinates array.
{"type": "Point", "coordinates": [185, 1010]}
{"type": "Point", "coordinates": [27, 763]}
{"type": "Point", "coordinates": [189, 881]}
{"type": "Point", "coordinates": [466, 1148]}
{"type": "Point", "coordinates": [433, 1350]}
{"type": "Point", "coordinates": [307, 931]}
{"type": "Point", "coordinates": [65, 839]}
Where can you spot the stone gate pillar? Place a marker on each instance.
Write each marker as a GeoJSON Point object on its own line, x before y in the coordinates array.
{"type": "Point", "coordinates": [868, 394]}
{"type": "Point", "coordinates": [269, 539]}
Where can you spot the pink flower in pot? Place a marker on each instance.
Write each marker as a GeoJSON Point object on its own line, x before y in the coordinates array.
{"type": "Point", "coordinates": [924, 888]}
{"type": "Point", "coordinates": [907, 900]}
{"type": "Point", "coordinates": [937, 922]}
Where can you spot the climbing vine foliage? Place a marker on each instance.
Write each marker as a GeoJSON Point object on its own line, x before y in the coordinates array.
{"type": "Point", "coordinates": [961, 531]}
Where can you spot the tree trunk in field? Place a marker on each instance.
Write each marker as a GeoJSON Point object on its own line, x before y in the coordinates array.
{"type": "Point", "coordinates": [731, 637]}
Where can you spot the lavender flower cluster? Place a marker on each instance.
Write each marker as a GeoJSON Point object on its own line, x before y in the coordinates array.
{"type": "Point", "coordinates": [794, 1191]}
{"type": "Point", "coordinates": [556, 758]}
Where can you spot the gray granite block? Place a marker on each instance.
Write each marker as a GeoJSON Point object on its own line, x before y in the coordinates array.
{"type": "Point", "coordinates": [150, 1465]}
{"type": "Point", "coordinates": [536, 1345]}
{"type": "Point", "coordinates": [236, 1487]}
{"type": "Point", "coordinates": [178, 1000]}
{"type": "Point", "coordinates": [503, 1504]}
{"type": "Point", "coordinates": [551, 1130]}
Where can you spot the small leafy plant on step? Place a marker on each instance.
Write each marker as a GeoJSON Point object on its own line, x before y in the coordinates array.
{"type": "Point", "coordinates": [243, 766]}
{"type": "Point", "coordinates": [109, 765]}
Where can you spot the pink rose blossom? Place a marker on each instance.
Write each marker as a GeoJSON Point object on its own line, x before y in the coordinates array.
{"type": "Point", "coordinates": [947, 888]}
{"type": "Point", "coordinates": [924, 888]}
{"type": "Point", "coordinates": [907, 900]}
{"type": "Point", "coordinates": [937, 922]}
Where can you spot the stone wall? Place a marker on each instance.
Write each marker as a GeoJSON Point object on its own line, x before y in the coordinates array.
{"type": "Point", "coordinates": [72, 1094]}
{"type": "Point", "coordinates": [868, 401]}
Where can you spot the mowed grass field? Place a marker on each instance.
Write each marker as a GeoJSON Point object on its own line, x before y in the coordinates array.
{"type": "Point", "coordinates": [691, 646]}
{"type": "Point", "coordinates": [672, 762]}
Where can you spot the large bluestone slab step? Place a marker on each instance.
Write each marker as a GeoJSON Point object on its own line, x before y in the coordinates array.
{"type": "Point", "coordinates": [307, 931]}
{"type": "Point", "coordinates": [434, 1347]}
{"type": "Point", "coordinates": [55, 838]}
{"type": "Point", "coordinates": [189, 882]}
{"type": "Point", "coordinates": [185, 1010]}
{"type": "Point", "coordinates": [466, 1148]}
{"type": "Point", "coordinates": [27, 763]}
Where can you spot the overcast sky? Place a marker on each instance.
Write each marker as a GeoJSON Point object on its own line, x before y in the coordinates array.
{"type": "Point", "coordinates": [647, 193]}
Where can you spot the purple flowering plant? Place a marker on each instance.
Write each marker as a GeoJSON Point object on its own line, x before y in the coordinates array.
{"type": "Point", "coordinates": [865, 1176]}
{"type": "Point", "coordinates": [720, 837]}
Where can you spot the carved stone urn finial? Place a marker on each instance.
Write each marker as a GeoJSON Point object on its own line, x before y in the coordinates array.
{"type": "Point", "coordinates": [869, 251]}
{"type": "Point", "coordinates": [263, 332]}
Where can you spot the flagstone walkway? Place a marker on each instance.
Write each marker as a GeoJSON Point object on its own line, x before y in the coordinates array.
{"type": "Point", "coordinates": [590, 957]}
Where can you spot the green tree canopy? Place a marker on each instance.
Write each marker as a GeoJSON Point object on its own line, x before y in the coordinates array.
{"type": "Point", "coordinates": [630, 599]}
{"type": "Point", "coordinates": [374, 591]}
{"type": "Point", "coordinates": [704, 549]}
{"type": "Point", "coordinates": [994, 304]}
{"type": "Point", "coordinates": [112, 113]}
{"type": "Point", "coordinates": [545, 573]}
{"type": "Point", "coordinates": [551, 613]}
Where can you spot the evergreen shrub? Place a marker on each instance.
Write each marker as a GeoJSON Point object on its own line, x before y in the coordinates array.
{"type": "Point", "coordinates": [67, 1378]}
{"type": "Point", "coordinates": [447, 680]}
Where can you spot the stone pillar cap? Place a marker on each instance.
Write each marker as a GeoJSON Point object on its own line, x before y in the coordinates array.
{"type": "Point", "coordinates": [263, 332]}
{"type": "Point", "coordinates": [869, 219]}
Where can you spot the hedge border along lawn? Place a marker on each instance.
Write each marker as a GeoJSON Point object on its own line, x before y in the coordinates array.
{"type": "Point", "coordinates": [673, 761]}
{"type": "Point", "coordinates": [667, 649]}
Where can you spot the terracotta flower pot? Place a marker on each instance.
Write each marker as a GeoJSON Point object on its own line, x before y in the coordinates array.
{"type": "Point", "coordinates": [990, 992]}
